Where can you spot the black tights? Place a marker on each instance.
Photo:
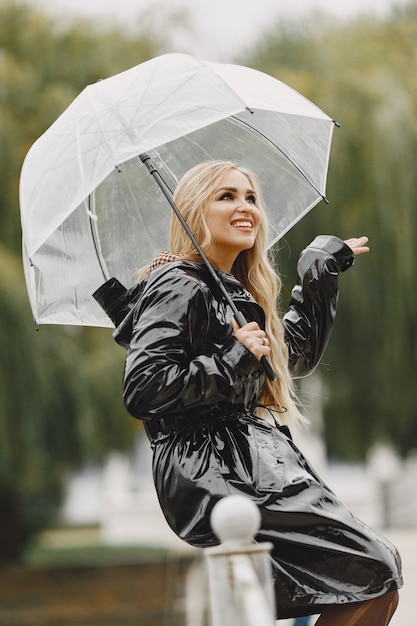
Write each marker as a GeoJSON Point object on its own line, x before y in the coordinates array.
{"type": "Point", "coordinates": [375, 612]}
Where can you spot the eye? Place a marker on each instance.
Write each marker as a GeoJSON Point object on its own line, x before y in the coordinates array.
{"type": "Point", "coordinates": [226, 196]}
{"type": "Point", "coordinates": [251, 198]}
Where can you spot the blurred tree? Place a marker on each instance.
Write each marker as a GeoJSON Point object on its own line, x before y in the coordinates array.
{"type": "Point", "coordinates": [43, 66]}
{"type": "Point", "coordinates": [359, 72]}
{"type": "Point", "coordinates": [59, 405]}
{"type": "Point", "coordinates": [60, 398]}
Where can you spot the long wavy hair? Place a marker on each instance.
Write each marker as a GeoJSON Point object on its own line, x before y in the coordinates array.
{"type": "Point", "coordinates": [194, 192]}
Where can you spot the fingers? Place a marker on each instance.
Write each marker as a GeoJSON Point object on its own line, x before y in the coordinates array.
{"type": "Point", "coordinates": [235, 325]}
{"type": "Point", "coordinates": [253, 337]}
{"type": "Point", "coordinates": [358, 244]}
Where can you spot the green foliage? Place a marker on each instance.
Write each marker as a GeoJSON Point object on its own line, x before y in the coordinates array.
{"type": "Point", "coordinates": [60, 406]}
{"type": "Point", "coordinates": [43, 66]}
{"type": "Point", "coordinates": [359, 73]}
{"type": "Point", "coordinates": [60, 388]}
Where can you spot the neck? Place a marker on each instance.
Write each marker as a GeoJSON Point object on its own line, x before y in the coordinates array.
{"type": "Point", "coordinates": [224, 263]}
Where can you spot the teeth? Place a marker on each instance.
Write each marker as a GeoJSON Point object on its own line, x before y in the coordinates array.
{"type": "Point", "coordinates": [244, 224]}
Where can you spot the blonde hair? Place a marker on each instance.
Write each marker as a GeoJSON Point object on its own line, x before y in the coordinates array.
{"type": "Point", "coordinates": [252, 268]}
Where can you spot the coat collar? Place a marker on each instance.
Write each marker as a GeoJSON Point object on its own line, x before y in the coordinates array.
{"type": "Point", "coordinates": [118, 301]}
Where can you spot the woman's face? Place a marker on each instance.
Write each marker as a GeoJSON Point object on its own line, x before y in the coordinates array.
{"type": "Point", "coordinates": [232, 218]}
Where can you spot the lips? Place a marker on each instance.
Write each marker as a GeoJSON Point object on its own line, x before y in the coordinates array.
{"type": "Point", "coordinates": [242, 224]}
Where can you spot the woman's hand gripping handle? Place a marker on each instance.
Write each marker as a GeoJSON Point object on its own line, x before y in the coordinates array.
{"type": "Point", "coordinates": [255, 339]}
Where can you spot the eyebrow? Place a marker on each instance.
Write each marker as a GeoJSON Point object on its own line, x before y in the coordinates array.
{"type": "Point", "coordinates": [234, 189]}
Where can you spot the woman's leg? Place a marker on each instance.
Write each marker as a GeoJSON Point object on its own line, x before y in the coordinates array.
{"type": "Point", "coordinates": [375, 612]}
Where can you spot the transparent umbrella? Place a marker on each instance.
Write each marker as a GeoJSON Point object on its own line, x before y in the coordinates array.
{"type": "Point", "coordinates": [90, 209]}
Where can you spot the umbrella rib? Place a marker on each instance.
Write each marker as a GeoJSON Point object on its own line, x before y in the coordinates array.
{"type": "Point", "coordinates": [284, 154]}
{"type": "Point", "coordinates": [190, 75]}
{"type": "Point", "coordinates": [95, 239]}
{"type": "Point", "coordinates": [128, 123]}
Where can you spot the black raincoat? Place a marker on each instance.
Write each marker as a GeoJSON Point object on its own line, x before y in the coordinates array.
{"type": "Point", "coordinates": [196, 387]}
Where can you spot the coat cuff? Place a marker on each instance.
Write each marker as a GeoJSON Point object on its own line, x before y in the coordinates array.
{"type": "Point", "coordinates": [336, 248]}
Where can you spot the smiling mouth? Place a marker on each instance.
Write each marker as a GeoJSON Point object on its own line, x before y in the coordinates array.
{"type": "Point", "coordinates": [242, 224]}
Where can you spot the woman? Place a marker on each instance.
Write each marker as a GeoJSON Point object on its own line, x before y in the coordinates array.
{"type": "Point", "coordinates": [217, 426]}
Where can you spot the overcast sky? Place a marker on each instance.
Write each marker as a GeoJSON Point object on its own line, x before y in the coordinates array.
{"type": "Point", "coordinates": [221, 27]}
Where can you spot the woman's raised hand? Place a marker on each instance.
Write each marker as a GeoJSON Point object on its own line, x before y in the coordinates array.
{"type": "Point", "coordinates": [253, 337]}
{"type": "Point", "coordinates": [358, 244]}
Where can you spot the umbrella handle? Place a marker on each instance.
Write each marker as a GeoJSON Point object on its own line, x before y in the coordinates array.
{"type": "Point", "coordinates": [265, 362]}
{"type": "Point", "coordinates": [240, 318]}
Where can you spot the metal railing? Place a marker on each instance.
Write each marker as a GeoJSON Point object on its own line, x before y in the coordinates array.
{"type": "Point", "coordinates": [239, 570]}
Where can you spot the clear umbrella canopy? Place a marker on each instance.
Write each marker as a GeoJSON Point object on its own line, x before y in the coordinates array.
{"type": "Point", "coordinates": [90, 209]}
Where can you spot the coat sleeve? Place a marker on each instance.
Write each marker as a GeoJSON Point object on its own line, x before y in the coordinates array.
{"type": "Point", "coordinates": [312, 312]}
{"type": "Point", "coordinates": [172, 365]}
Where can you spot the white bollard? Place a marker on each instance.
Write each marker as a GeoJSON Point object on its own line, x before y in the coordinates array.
{"type": "Point", "coordinates": [239, 570]}
{"type": "Point", "coordinates": [235, 520]}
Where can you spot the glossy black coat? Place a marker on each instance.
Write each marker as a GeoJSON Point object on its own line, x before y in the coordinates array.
{"type": "Point", "coordinates": [196, 388]}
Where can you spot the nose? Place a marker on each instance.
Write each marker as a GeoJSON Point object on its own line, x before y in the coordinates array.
{"type": "Point", "coordinates": [244, 205]}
